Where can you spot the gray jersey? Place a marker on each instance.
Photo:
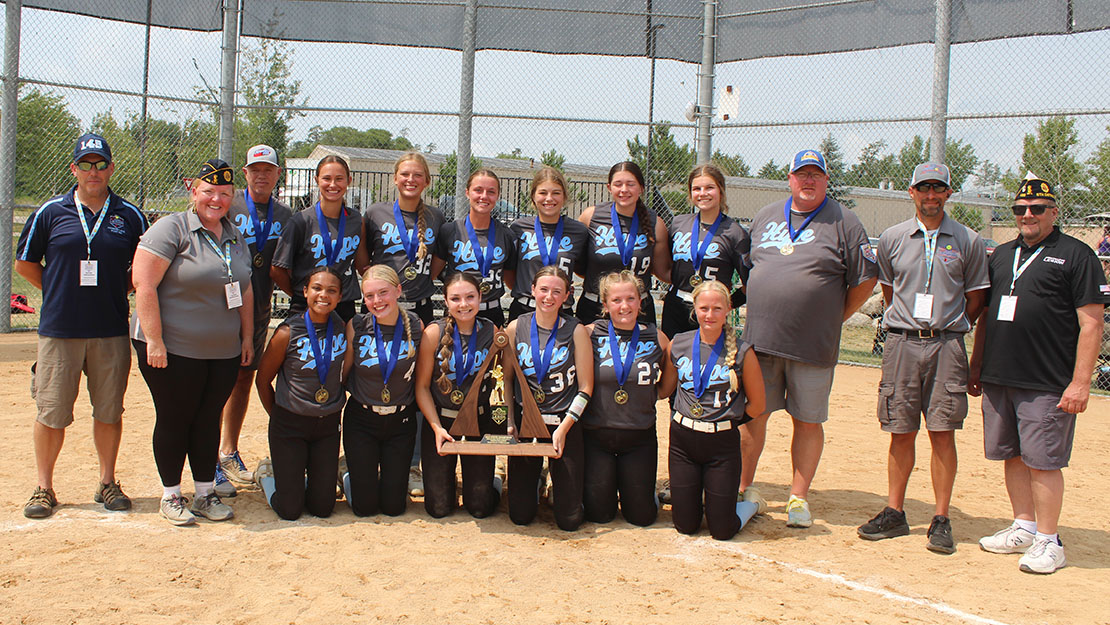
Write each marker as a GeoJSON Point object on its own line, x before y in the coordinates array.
{"type": "Point", "coordinates": [569, 251]}
{"type": "Point", "coordinates": [298, 380]}
{"type": "Point", "coordinates": [383, 239]}
{"type": "Point", "coordinates": [796, 300]}
{"type": "Point", "coordinates": [485, 330]}
{"type": "Point", "coordinates": [602, 254]}
{"type": "Point", "coordinates": [192, 301]}
{"type": "Point", "coordinates": [261, 282]}
{"type": "Point", "coordinates": [366, 380]}
{"type": "Point", "coordinates": [454, 247]}
{"type": "Point", "coordinates": [560, 385]}
{"type": "Point", "coordinates": [301, 249]}
{"type": "Point", "coordinates": [638, 413]}
{"type": "Point", "coordinates": [959, 266]}
{"type": "Point", "coordinates": [725, 254]}
{"type": "Point", "coordinates": [719, 402]}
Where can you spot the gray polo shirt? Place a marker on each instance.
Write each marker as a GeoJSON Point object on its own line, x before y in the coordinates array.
{"type": "Point", "coordinates": [196, 322]}
{"type": "Point", "coordinates": [959, 266]}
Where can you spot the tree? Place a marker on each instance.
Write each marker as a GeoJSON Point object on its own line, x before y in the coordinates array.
{"type": "Point", "coordinates": [834, 165]}
{"type": "Point", "coordinates": [961, 161]}
{"type": "Point", "coordinates": [670, 162]}
{"type": "Point", "coordinates": [1099, 169]}
{"type": "Point", "coordinates": [731, 165]}
{"type": "Point", "coordinates": [1049, 154]}
{"type": "Point", "coordinates": [267, 80]}
{"type": "Point", "coordinates": [516, 155]}
{"type": "Point", "coordinates": [444, 185]}
{"type": "Point", "coordinates": [771, 171]}
{"type": "Point", "coordinates": [349, 137]}
{"type": "Point", "coordinates": [988, 176]}
{"type": "Point", "coordinates": [873, 167]}
{"type": "Point", "coordinates": [45, 136]}
{"type": "Point", "coordinates": [551, 158]}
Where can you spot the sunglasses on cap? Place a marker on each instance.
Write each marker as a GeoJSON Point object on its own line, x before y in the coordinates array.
{"type": "Point", "coordinates": [88, 165]}
{"type": "Point", "coordinates": [936, 187]}
{"type": "Point", "coordinates": [1036, 209]}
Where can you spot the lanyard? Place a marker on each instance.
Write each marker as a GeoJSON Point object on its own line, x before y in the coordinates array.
{"type": "Point", "coordinates": [387, 359]}
{"type": "Point", "coordinates": [261, 229]}
{"type": "Point", "coordinates": [225, 254]}
{"type": "Point", "coordinates": [322, 366]}
{"type": "Point", "coordinates": [549, 256]}
{"type": "Point", "coordinates": [701, 376]}
{"type": "Point", "coordinates": [625, 244]}
{"type": "Point", "coordinates": [1018, 271]}
{"type": "Point", "coordinates": [786, 215]}
{"type": "Point", "coordinates": [930, 252]}
{"type": "Point", "coordinates": [85, 226]}
{"type": "Point", "coordinates": [331, 250]}
{"type": "Point", "coordinates": [697, 250]}
{"type": "Point", "coordinates": [464, 361]}
{"type": "Point", "coordinates": [410, 242]}
{"type": "Point", "coordinates": [622, 367]}
{"type": "Point", "coordinates": [542, 361]}
{"type": "Point", "coordinates": [485, 259]}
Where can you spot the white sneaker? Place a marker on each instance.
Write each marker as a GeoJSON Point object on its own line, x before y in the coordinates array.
{"type": "Point", "coordinates": [1013, 539]}
{"type": "Point", "coordinates": [753, 495]}
{"type": "Point", "coordinates": [1044, 557]}
{"type": "Point", "coordinates": [416, 482]}
{"type": "Point", "coordinates": [175, 510]}
{"type": "Point", "coordinates": [797, 512]}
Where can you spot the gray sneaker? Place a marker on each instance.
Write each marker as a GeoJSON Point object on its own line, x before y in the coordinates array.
{"type": "Point", "coordinates": [235, 469]}
{"type": "Point", "coordinates": [211, 508]}
{"type": "Point", "coordinates": [222, 485]}
{"type": "Point", "coordinates": [175, 510]}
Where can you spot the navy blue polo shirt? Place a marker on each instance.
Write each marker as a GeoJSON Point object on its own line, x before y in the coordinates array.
{"type": "Point", "coordinates": [54, 233]}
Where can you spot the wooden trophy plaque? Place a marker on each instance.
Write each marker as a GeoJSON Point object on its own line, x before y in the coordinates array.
{"type": "Point", "coordinates": [533, 439]}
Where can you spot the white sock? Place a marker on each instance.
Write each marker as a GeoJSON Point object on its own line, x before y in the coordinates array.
{"type": "Point", "coordinates": [204, 488]}
{"type": "Point", "coordinates": [1029, 526]}
{"type": "Point", "coordinates": [1053, 538]}
{"type": "Point", "coordinates": [169, 491]}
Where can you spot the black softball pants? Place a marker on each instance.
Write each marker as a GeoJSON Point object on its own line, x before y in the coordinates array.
{"type": "Point", "coordinates": [566, 480]}
{"type": "Point", "coordinates": [378, 449]}
{"type": "Point", "coordinates": [301, 445]}
{"type": "Point", "coordinates": [704, 462]}
{"type": "Point", "coordinates": [479, 496]}
{"type": "Point", "coordinates": [620, 464]}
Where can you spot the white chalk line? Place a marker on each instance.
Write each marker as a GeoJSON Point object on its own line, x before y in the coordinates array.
{"type": "Point", "coordinates": [844, 581]}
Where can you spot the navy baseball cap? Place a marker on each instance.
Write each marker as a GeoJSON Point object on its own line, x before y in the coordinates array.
{"type": "Point", "coordinates": [808, 157]}
{"type": "Point", "coordinates": [92, 144]}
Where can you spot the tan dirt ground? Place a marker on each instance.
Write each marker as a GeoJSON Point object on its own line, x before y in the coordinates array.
{"type": "Point", "coordinates": [86, 565]}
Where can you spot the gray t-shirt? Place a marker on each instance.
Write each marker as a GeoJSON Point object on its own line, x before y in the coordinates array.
{"type": "Point", "coordinates": [726, 253]}
{"type": "Point", "coordinates": [638, 412]}
{"type": "Point", "coordinates": [298, 379]}
{"type": "Point", "coordinates": [301, 250]}
{"type": "Point", "coordinates": [718, 402]}
{"type": "Point", "coordinates": [260, 276]}
{"type": "Point", "coordinates": [959, 266]}
{"type": "Point", "coordinates": [384, 240]}
{"type": "Point", "coordinates": [365, 382]}
{"type": "Point", "coordinates": [196, 322]}
{"type": "Point", "coordinates": [569, 251]}
{"type": "Point", "coordinates": [560, 385]}
{"type": "Point", "coordinates": [796, 301]}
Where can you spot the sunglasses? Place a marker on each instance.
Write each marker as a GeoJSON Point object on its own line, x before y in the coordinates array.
{"type": "Point", "coordinates": [1036, 209]}
{"type": "Point", "coordinates": [88, 166]}
{"type": "Point", "coordinates": [936, 187]}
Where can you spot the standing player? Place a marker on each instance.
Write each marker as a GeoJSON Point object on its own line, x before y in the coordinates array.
{"type": "Point", "coordinates": [933, 272]}
{"type": "Point", "coordinates": [260, 219]}
{"type": "Point", "coordinates": [78, 248]}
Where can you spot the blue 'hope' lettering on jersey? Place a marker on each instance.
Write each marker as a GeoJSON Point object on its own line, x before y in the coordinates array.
{"type": "Point", "coordinates": [686, 377]}
{"type": "Point", "coordinates": [681, 247]}
{"type": "Point", "coordinates": [304, 350]}
{"type": "Point", "coordinates": [391, 238]}
{"type": "Point", "coordinates": [606, 240]}
{"type": "Point", "coordinates": [463, 254]}
{"type": "Point", "coordinates": [527, 364]}
{"type": "Point", "coordinates": [245, 226]}
{"type": "Point", "coordinates": [605, 355]}
{"type": "Point", "coordinates": [778, 235]}
{"type": "Point", "coordinates": [350, 244]}
{"type": "Point", "coordinates": [368, 350]}
{"type": "Point", "coordinates": [529, 248]}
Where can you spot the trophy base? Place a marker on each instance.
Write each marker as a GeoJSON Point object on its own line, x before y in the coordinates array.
{"type": "Point", "coordinates": [499, 445]}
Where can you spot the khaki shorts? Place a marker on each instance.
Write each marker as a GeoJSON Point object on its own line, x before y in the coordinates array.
{"type": "Point", "coordinates": [802, 388]}
{"type": "Point", "coordinates": [923, 376]}
{"type": "Point", "coordinates": [106, 363]}
{"type": "Point", "coordinates": [1020, 422]}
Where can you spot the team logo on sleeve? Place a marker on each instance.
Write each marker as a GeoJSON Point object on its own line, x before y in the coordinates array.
{"type": "Point", "coordinates": [868, 252]}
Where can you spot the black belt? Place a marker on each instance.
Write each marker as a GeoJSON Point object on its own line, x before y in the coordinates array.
{"type": "Point", "coordinates": [925, 334]}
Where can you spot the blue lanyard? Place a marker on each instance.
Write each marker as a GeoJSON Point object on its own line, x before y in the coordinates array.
{"type": "Point", "coordinates": [89, 236]}
{"type": "Point", "coordinates": [464, 361]}
{"type": "Point", "coordinates": [625, 244]}
{"type": "Point", "coordinates": [322, 366]}
{"type": "Point", "coordinates": [1016, 272]}
{"type": "Point", "coordinates": [225, 254]}
{"type": "Point", "coordinates": [261, 230]}
{"type": "Point", "coordinates": [549, 256]}
{"type": "Point", "coordinates": [701, 376]}
{"type": "Point", "coordinates": [542, 361]}
{"type": "Point", "coordinates": [485, 259]}
{"type": "Point", "coordinates": [410, 242]}
{"type": "Point", "coordinates": [786, 215]}
{"type": "Point", "coordinates": [331, 251]}
{"type": "Point", "coordinates": [697, 250]}
{"type": "Point", "coordinates": [622, 367]}
{"type": "Point", "coordinates": [387, 359]}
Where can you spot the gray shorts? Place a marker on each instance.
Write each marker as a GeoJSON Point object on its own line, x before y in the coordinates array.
{"type": "Point", "coordinates": [923, 376]}
{"type": "Point", "coordinates": [1019, 422]}
{"type": "Point", "coordinates": [802, 388]}
{"type": "Point", "coordinates": [106, 363]}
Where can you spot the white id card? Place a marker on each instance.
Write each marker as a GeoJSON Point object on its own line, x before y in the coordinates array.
{"type": "Point", "coordinates": [234, 296]}
{"type": "Point", "coordinates": [1006, 307]}
{"type": "Point", "coordinates": [88, 272]}
{"type": "Point", "coordinates": [923, 306]}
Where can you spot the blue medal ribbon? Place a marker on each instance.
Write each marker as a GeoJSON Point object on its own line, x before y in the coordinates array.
{"type": "Point", "coordinates": [701, 376]}
{"type": "Point", "coordinates": [626, 244]}
{"type": "Point", "coordinates": [410, 242]}
{"type": "Point", "coordinates": [331, 250]}
{"type": "Point", "coordinates": [464, 361]}
{"type": "Point", "coordinates": [485, 259]}
{"type": "Point", "coordinates": [622, 367]}
{"type": "Point", "coordinates": [697, 250]}
{"type": "Point", "coordinates": [89, 236]}
{"type": "Point", "coordinates": [387, 358]}
{"type": "Point", "coordinates": [786, 215]}
{"type": "Point", "coordinates": [261, 229]}
{"type": "Point", "coordinates": [224, 254]}
{"type": "Point", "coordinates": [322, 366]}
{"type": "Point", "coordinates": [549, 256]}
{"type": "Point", "coordinates": [542, 361]}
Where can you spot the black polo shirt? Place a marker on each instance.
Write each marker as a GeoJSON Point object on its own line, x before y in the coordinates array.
{"type": "Point", "coordinates": [1037, 349]}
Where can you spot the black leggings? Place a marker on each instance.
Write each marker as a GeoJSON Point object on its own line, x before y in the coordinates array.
{"type": "Point", "coordinates": [704, 462]}
{"type": "Point", "coordinates": [378, 449]}
{"type": "Point", "coordinates": [189, 394]}
{"type": "Point", "coordinates": [566, 478]}
{"type": "Point", "coordinates": [479, 496]}
{"type": "Point", "coordinates": [624, 463]}
{"type": "Point", "coordinates": [300, 445]}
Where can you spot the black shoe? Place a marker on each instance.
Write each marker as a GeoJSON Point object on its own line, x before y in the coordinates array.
{"type": "Point", "coordinates": [112, 497]}
{"type": "Point", "coordinates": [940, 536]}
{"type": "Point", "coordinates": [887, 524]}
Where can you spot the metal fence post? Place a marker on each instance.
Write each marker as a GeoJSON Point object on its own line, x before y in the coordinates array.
{"type": "Point", "coordinates": [466, 104]}
{"type": "Point", "coordinates": [228, 71]}
{"type": "Point", "coordinates": [941, 47]}
{"type": "Point", "coordinates": [705, 80]}
{"type": "Point", "coordinates": [8, 117]}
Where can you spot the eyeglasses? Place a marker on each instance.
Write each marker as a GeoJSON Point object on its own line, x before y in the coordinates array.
{"type": "Point", "coordinates": [88, 165]}
{"type": "Point", "coordinates": [936, 187]}
{"type": "Point", "coordinates": [1036, 209]}
{"type": "Point", "coordinates": [807, 175]}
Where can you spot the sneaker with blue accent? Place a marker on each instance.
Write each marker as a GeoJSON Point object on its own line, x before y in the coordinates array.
{"type": "Point", "coordinates": [223, 486]}
{"type": "Point", "coordinates": [235, 469]}
{"type": "Point", "coordinates": [797, 512]}
{"type": "Point", "coordinates": [1044, 557]}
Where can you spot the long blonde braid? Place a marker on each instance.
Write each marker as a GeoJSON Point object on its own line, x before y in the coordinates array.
{"type": "Point", "coordinates": [731, 348]}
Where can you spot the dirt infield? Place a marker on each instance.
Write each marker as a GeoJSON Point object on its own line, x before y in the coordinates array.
{"type": "Point", "coordinates": [86, 565]}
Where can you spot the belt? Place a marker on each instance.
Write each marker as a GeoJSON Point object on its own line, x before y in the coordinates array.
{"type": "Point", "coordinates": [702, 426]}
{"type": "Point", "coordinates": [451, 413]}
{"type": "Point", "coordinates": [414, 305]}
{"type": "Point", "coordinates": [685, 296]}
{"type": "Point", "coordinates": [925, 334]}
{"type": "Point", "coordinates": [552, 419]}
{"type": "Point", "coordinates": [490, 305]}
{"type": "Point", "coordinates": [593, 297]}
{"type": "Point", "coordinates": [384, 410]}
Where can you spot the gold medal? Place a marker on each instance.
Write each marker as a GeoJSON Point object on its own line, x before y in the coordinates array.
{"type": "Point", "coordinates": [787, 249]}
{"type": "Point", "coordinates": [322, 396]}
{"type": "Point", "coordinates": [410, 273]}
{"type": "Point", "coordinates": [385, 395]}
{"type": "Point", "coordinates": [695, 280]}
{"type": "Point", "coordinates": [457, 397]}
{"type": "Point", "coordinates": [538, 394]}
{"type": "Point", "coordinates": [486, 287]}
{"type": "Point", "coordinates": [258, 260]}
{"type": "Point", "coordinates": [621, 396]}
{"type": "Point", "coordinates": [696, 411]}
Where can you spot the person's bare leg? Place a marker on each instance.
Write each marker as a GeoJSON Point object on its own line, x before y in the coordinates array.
{"type": "Point", "coordinates": [900, 461]}
{"type": "Point", "coordinates": [235, 412]}
{"type": "Point", "coordinates": [805, 454]}
{"type": "Point", "coordinates": [1019, 488]}
{"type": "Point", "coordinates": [1048, 498]}
{"type": "Point", "coordinates": [753, 435]}
{"type": "Point", "coordinates": [48, 444]}
{"type": "Point", "coordinates": [106, 438]}
{"type": "Point", "coordinates": [943, 468]}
